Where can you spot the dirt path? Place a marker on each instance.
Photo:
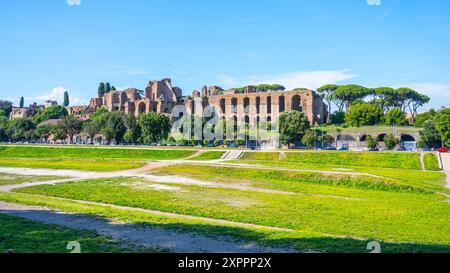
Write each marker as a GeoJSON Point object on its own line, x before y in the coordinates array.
{"type": "Point", "coordinates": [422, 161]}
{"type": "Point", "coordinates": [446, 165]}
{"type": "Point", "coordinates": [138, 235]}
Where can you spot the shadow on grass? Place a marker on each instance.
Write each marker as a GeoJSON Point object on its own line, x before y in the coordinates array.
{"type": "Point", "coordinates": [180, 237]}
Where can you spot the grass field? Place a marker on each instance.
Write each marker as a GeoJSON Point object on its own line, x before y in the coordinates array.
{"type": "Point", "coordinates": [71, 164]}
{"type": "Point", "coordinates": [23, 236]}
{"type": "Point", "coordinates": [384, 160]}
{"type": "Point", "coordinates": [394, 217]}
{"type": "Point", "coordinates": [14, 179]}
{"type": "Point", "coordinates": [431, 162]}
{"type": "Point", "coordinates": [91, 153]}
{"type": "Point", "coordinates": [86, 159]}
{"type": "Point", "coordinates": [372, 197]}
{"type": "Point", "coordinates": [212, 155]}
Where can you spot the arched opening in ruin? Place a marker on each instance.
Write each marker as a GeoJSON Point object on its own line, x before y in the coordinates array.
{"type": "Point", "coordinates": [345, 138]}
{"type": "Point", "coordinates": [281, 104]}
{"type": "Point", "coordinates": [235, 125]}
{"type": "Point", "coordinates": [234, 103]}
{"type": "Point", "coordinates": [123, 99]}
{"type": "Point", "coordinates": [246, 105]}
{"type": "Point", "coordinates": [222, 106]}
{"type": "Point", "coordinates": [381, 137]}
{"type": "Point", "coordinates": [407, 138]}
{"type": "Point", "coordinates": [258, 105]}
{"type": "Point", "coordinates": [269, 105]}
{"type": "Point", "coordinates": [296, 103]}
{"type": "Point", "coordinates": [142, 108]}
{"type": "Point", "coordinates": [363, 138]}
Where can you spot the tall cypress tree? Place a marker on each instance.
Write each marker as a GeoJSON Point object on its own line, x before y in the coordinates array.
{"type": "Point", "coordinates": [107, 88]}
{"type": "Point", "coordinates": [66, 99]}
{"type": "Point", "coordinates": [21, 102]}
{"type": "Point", "coordinates": [101, 90]}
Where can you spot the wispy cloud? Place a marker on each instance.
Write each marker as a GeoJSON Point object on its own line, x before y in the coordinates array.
{"type": "Point", "coordinates": [56, 94]}
{"type": "Point", "coordinates": [74, 2]}
{"type": "Point", "coordinates": [291, 80]}
{"type": "Point", "coordinates": [374, 2]}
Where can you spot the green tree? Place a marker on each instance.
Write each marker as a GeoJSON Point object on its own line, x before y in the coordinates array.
{"type": "Point", "coordinates": [6, 106]}
{"type": "Point", "coordinates": [326, 93]}
{"type": "Point", "coordinates": [346, 95]}
{"type": "Point", "coordinates": [58, 133]}
{"type": "Point", "coordinates": [52, 112]}
{"type": "Point", "coordinates": [101, 90]}
{"type": "Point", "coordinates": [442, 121]}
{"type": "Point", "coordinates": [429, 135]}
{"type": "Point", "coordinates": [363, 114]}
{"type": "Point", "coordinates": [309, 138]}
{"type": "Point", "coordinates": [44, 131]}
{"type": "Point", "coordinates": [396, 116]}
{"type": "Point", "coordinates": [390, 141]}
{"type": "Point", "coordinates": [337, 118]}
{"type": "Point", "coordinates": [107, 88]}
{"type": "Point", "coordinates": [154, 127]}
{"type": "Point", "coordinates": [371, 142]}
{"type": "Point", "coordinates": [21, 129]}
{"type": "Point", "coordinates": [98, 113]}
{"type": "Point", "coordinates": [113, 126]}
{"type": "Point", "coordinates": [92, 129]}
{"type": "Point", "coordinates": [22, 102]}
{"type": "Point", "coordinates": [293, 126]}
{"type": "Point", "coordinates": [4, 125]}
{"type": "Point", "coordinates": [384, 97]}
{"type": "Point", "coordinates": [420, 119]}
{"type": "Point", "coordinates": [71, 125]}
{"type": "Point", "coordinates": [66, 99]}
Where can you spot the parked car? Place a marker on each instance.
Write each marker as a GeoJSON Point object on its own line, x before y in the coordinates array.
{"type": "Point", "coordinates": [443, 150]}
{"type": "Point", "coordinates": [374, 150]}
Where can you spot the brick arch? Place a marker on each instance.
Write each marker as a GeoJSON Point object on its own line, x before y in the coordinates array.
{"type": "Point", "coordinates": [246, 105]}
{"type": "Point", "coordinates": [123, 100]}
{"type": "Point", "coordinates": [281, 104]}
{"type": "Point", "coordinates": [142, 108]}
{"type": "Point", "coordinates": [296, 103]}
{"type": "Point", "coordinates": [234, 105]}
{"type": "Point", "coordinates": [269, 104]}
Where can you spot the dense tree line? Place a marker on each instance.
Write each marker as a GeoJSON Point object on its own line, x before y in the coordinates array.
{"type": "Point", "coordinates": [374, 103]}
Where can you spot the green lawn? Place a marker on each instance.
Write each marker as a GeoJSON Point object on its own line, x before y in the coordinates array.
{"type": "Point", "coordinates": [396, 217]}
{"type": "Point", "coordinates": [91, 153]}
{"type": "Point", "coordinates": [23, 236]}
{"type": "Point", "coordinates": [213, 155]}
{"type": "Point", "coordinates": [431, 162]}
{"type": "Point", "coordinates": [99, 165]}
{"type": "Point", "coordinates": [384, 159]}
{"type": "Point", "coordinates": [14, 179]}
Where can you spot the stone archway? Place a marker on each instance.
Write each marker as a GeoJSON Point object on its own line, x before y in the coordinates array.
{"type": "Point", "coordinates": [281, 104]}
{"type": "Point", "coordinates": [296, 103]}
{"type": "Point", "coordinates": [142, 108]}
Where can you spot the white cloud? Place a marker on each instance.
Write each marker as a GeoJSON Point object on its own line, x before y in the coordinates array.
{"type": "Point", "coordinates": [291, 80]}
{"type": "Point", "coordinates": [374, 2]}
{"type": "Point", "coordinates": [56, 94]}
{"type": "Point", "coordinates": [74, 2]}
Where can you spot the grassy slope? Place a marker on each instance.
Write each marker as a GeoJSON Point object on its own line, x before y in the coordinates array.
{"type": "Point", "coordinates": [71, 164]}
{"type": "Point", "coordinates": [14, 179]}
{"type": "Point", "coordinates": [213, 155]}
{"type": "Point", "coordinates": [23, 236]}
{"type": "Point", "coordinates": [90, 153]}
{"type": "Point", "coordinates": [385, 160]}
{"type": "Point", "coordinates": [303, 240]}
{"type": "Point", "coordinates": [388, 216]}
{"type": "Point", "coordinates": [431, 162]}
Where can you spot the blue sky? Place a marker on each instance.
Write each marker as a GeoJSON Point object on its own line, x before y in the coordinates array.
{"type": "Point", "coordinates": [48, 46]}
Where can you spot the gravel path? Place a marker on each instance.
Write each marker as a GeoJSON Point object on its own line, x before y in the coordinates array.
{"type": "Point", "coordinates": [138, 235]}
{"type": "Point", "coordinates": [446, 165]}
